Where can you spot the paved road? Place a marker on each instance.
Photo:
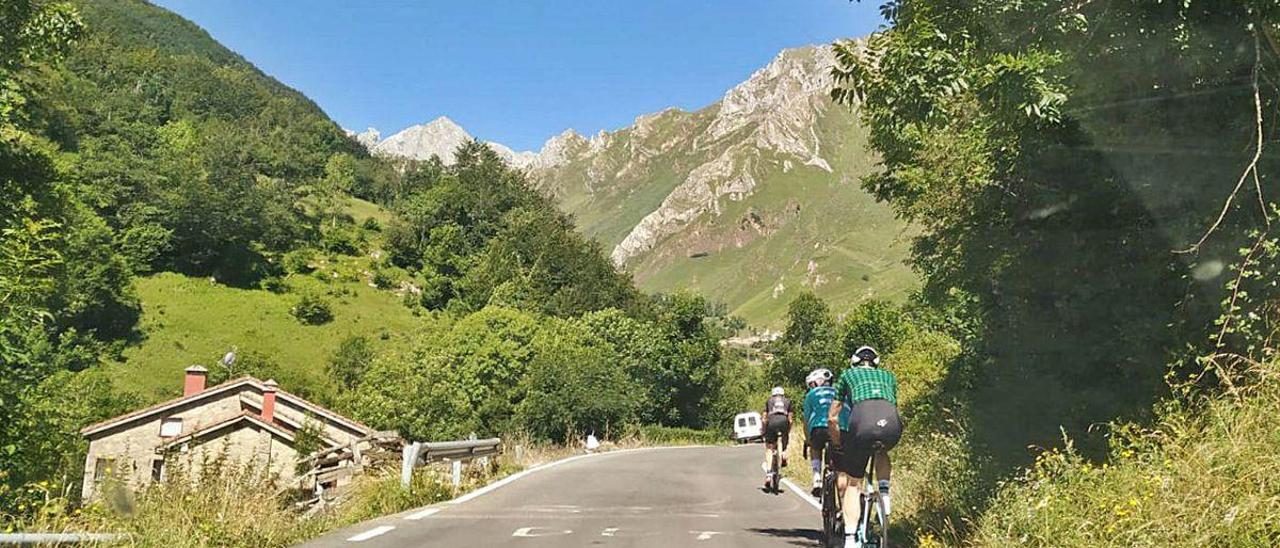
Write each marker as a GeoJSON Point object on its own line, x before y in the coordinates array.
{"type": "Point", "coordinates": [668, 497]}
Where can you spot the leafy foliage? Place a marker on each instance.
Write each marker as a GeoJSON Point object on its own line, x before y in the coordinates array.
{"type": "Point", "coordinates": [312, 309]}
{"type": "Point", "coordinates": [1056, 155]}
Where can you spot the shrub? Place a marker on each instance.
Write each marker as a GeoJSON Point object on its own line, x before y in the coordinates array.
{"type": "Point", "coordinates": [340, 239]}
{"type": "Point", "coordinates": [298, 261]}
{"type": "Point", "coordinates": [312, 309]}
{"type": "Point", "coordinates": [383, 279]}
{"type": "Point", "coordinates": [274, 284]}
{"type": "Point", "coordinates": [653, 434]}
{"type": "Point", "coordinates": [371, 225]}
{"type": "Point", "coordinates": [1204, 473]}
{"type": "Point", "coordinates": [350, 362]}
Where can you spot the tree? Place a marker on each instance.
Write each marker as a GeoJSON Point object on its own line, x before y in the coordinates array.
{"type": "Point", "coordinates": [350, 362]}
{"type": "Point", "coordinates": [338, 181]}
{"type": "Point", "coordinates": [808, 342]}
{"type": "Point", "coordinates": [1060, 158]}
{"type": "Point", "coordinates": [574, 386]}
{"type": "Point", "coordinates": [876, 323]}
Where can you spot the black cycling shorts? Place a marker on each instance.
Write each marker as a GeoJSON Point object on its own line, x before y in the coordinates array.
{"type": "Point", "coordinates": [874, 426]}
{"type": "Point", "coordinates": [818, 439]}
{"type": "Point", "coordinates": [777, 426]}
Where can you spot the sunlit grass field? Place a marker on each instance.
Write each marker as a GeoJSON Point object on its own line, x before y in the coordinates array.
{"type": "Point", "coordinates": [188, 321]}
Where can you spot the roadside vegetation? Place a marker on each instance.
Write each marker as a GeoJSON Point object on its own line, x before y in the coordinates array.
{"type": "Point", "coordinates": [1091, 357]}
{"type": "Point", "coordinates": [1096, 244]}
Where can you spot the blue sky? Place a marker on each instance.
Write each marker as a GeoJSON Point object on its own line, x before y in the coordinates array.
{"type": "Point", "coordinates": [517, 72]}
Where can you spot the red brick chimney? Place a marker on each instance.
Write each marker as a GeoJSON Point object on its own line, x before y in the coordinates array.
{"type": "Point", "coordinates": [269, 389]}
{"type": "Point", "coordinates": [194, 382]}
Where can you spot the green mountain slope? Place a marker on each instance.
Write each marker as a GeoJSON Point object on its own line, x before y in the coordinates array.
{"type": "Point", "coordinates": [746, 201]}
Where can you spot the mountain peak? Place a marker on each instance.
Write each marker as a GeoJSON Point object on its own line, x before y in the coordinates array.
{"type": "Point", "coordinates": [444, 123]}
{"type": "Point", "coordinates": [439, 137]}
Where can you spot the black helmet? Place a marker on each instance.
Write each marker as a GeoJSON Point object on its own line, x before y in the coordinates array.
{"type": "Point", "coordinates": [865, 355]}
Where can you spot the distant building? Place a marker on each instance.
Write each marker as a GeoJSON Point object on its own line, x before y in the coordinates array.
{"type": "Point", "coordinates": [248, 421]}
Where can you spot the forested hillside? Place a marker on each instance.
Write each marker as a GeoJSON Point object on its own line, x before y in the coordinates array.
{"type": "Point", "coordinates": [166, 202]}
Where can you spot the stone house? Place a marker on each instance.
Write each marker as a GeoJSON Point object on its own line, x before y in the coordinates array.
{"type": "Point", "coordinates": [244, 421]}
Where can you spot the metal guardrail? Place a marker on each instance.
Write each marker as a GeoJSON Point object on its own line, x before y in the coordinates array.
{"type": "Point", "coordinates": [46, 539]}
{"type": "Point", "coordinates": [418, 453]}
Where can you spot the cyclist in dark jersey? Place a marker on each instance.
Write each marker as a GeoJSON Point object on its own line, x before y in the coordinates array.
{"type": "Point", "coordinates": [777, 424]}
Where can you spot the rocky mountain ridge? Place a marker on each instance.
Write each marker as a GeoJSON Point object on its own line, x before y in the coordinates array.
{"type": "Point", "coordinates": [744, 200]}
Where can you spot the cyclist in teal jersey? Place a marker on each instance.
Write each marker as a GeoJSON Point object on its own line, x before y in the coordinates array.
{"type": "Point", "coordinates": [816, 403]}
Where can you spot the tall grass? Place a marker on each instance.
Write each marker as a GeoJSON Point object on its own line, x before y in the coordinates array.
{"type": "Point", "coordinates": [232, 505]}
{"type": "Point", "coordinates": [1205, 475]}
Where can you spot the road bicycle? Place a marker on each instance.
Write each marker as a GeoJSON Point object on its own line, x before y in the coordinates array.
{"type": "Point", "coordinates": [832, 521]}
{"type": "Point", "coordinates": [773, 484]}
{"type": "Point", "coordinates": [873, 524]}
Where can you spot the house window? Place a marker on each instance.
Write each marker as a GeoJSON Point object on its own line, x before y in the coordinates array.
{"type": "Point", "coordinates": [103, 468]}
{"type": "Point", "coordinates": [170, 428]}
{"type": "Point", "coordinates": [157, 470]}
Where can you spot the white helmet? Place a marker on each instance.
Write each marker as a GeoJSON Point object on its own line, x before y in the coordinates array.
{"type": "Point", "coordinates": [777, 391]}
{"type": "Point", "coordinates": [865, 356]}
{"type": "Point", "coordinates": [818, 377]}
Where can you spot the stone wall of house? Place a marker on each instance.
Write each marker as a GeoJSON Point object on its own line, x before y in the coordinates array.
{"type": "Point", "coordinates": [246, 447]}
{"type": "Point", "coordinates": [131, 446]}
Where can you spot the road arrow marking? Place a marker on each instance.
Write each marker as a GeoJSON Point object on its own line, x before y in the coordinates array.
{"type": "Point", "coordinates": [609, 532]}
{"type": "Point", "coordinates": [706, 535]}
{"type": "Point", "coordinates": [533, 532]}
{"type": "Point", "coordinates": [371, 533]}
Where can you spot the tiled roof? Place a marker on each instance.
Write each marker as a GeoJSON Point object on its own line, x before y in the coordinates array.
{"type": "Point", "coordinates": [243, 416]}
{"type": "Point", "coordinates": [240, 383]}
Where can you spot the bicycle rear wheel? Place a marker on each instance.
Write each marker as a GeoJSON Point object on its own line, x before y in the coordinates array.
{"type": "Point", "coordinates": [775, 477]}
{"type": "Point", "coordinates": [832, 521]}
{"type": "Point", "coordinates": [877, 531]}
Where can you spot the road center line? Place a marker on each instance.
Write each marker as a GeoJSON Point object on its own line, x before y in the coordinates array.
{"type": "Point", "coordinates": [371, 533]}
{"type": "Point", "coordinates": [800, 492]}
{"type": "Point", "coordinates": [422, 514]}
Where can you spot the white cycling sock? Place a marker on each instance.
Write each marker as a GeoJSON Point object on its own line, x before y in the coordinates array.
{"type": "Point", "coordinates": [817, 479]}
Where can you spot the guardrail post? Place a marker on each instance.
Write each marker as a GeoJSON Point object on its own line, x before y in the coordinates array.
{"type": "Point", "coordinates": [408, 462]}
{"type": "Point", "coordinates": [457, 473]}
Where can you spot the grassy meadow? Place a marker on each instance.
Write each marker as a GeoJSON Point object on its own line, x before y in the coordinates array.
{"type": "Point", "coordinates": [188, 321]}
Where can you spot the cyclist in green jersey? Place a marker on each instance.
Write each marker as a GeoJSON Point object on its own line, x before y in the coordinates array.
{"type": "Point", "coordinates": [873, 426]}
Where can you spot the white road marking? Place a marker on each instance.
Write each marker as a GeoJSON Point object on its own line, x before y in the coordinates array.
{"type": "Point", "coordinates": [531, 532]}
{"type": "Point", "coordinates": [557, 509]}
{"type": "Point", "coordinates": [371, 533]}
{"type": "Point", "coordinates": [706, 535]}
{"type": "Point", "coordinates": [523, 473]}
{"type": "Point", "coordinates": [516, 476]}
{"type": "Point", "coordinates": [609, 532]}
{"type": "Point", "coordinates": [422, 514]}
{"type": "Point", "coordinates": [800, 492]}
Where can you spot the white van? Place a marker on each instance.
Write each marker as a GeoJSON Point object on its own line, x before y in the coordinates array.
{"type": "Point", "coordinates": [748, 427]}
